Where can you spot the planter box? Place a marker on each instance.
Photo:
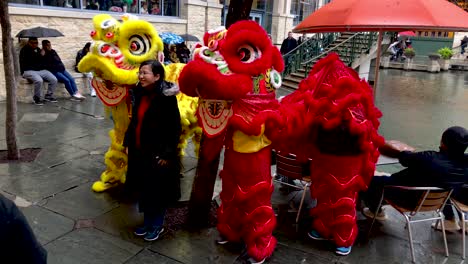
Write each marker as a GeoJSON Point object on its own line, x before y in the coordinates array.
{"type": "Point", "coordinates": [385, 62]}
{"type": "Point", "coordinates": [433, 66]}
{"type": "Point", "coordinates": [408, 64]}
{"type": "Point", "coordinates": [444, 64]}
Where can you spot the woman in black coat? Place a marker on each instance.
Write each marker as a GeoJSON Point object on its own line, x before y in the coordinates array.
{"type": "Point", "coordinates": [152, 138]}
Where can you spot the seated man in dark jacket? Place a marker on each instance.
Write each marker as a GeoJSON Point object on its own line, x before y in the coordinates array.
{"type": "Point", "coordinates": [54, 64]}
{"type": "Point", "coordinates": [17, 241]}
{"type": "Point", "coordinates": [447, 168]}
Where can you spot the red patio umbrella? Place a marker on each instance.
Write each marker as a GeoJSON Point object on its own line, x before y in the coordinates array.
{"type": "Point", "coordinates": [385, 15]}
{"type": "Point", "coordinates": [407, 33]}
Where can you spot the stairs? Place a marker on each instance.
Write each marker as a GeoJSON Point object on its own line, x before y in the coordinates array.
{"type": "Point", "coordinates": [348, 45]}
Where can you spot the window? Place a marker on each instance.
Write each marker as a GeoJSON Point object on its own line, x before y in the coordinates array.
{"type": "Point", "coordinates": [302, 9]}
{"type": "Point", "coordinates": [62, 3]}
{"type": "Point", "coordinates": [144, 7]}
{"type": "Point", "coordinates": [26, 2]}
{"type": "Point", "coordinates": [258, 4]}
{"type": "Point", "coordinates": [262, 12]}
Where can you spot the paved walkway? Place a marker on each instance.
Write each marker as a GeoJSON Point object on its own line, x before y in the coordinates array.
{"type": "Point", "coordinates": [78, 226]}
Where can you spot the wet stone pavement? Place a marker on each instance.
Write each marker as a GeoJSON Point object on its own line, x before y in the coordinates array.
{"type": "Point", "coordinates": [76, 225]}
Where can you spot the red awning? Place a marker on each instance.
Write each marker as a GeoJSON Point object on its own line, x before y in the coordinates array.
{"type": "Point", "coordinates": [385, 15]}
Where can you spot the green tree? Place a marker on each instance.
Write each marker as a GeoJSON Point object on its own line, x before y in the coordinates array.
{"type": "Point", "coordinates": [10, 82]}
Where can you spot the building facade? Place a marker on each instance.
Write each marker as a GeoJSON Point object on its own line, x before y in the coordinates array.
{"type": "Point", "coordinates": [73, 19]}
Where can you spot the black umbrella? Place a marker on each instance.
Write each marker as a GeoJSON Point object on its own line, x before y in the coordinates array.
{"type": "Point", "coordinates": [188, 37]}
{"type": "Point", "coordinates": [39, 32]}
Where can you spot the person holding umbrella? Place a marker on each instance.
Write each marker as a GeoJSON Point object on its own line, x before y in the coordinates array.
{"type": "Point", "coordinates": [33, 69]}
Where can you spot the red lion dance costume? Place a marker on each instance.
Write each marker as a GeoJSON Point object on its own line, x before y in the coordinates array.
{"type": "Point", "coordinates": [338, 130]}
{"type": "Point", "coordinates": [235, 74]}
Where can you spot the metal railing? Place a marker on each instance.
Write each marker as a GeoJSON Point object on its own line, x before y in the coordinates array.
{"type": "Point", "coordinates": [312, 47]}
{"type": "Point", "coordinates": [306, 54]}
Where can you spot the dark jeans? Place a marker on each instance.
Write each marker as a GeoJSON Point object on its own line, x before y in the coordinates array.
{"type": "Point", "coordinates": [460, 195]}
{"type": "Point", "coordinates": [65, 78]}
{"type": "Point", "coordinates": [154, 219]}
{"type": "Point", "coordinates": [407, 199]}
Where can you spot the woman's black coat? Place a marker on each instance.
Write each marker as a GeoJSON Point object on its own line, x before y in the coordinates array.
{"type": "Point", "coordinates": [157, 186]}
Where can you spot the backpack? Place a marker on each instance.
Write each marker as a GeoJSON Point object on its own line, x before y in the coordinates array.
{"type": "Point", "coordinates": [79, 56]}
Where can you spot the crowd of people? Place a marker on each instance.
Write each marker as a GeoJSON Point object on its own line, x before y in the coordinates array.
{"type": "Point", "coordinates": [176, 53]}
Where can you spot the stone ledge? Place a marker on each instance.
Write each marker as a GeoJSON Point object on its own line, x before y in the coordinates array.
{"type": "Point", "coordinates": [24, 92]}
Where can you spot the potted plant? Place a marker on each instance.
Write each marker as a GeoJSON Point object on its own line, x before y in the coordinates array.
{"type": "Point", "coordinates": [434, 56]}
{"type": "Point", "coordinates": [409, 53]}
{"type": "Point", "coordinates": [445, 55]}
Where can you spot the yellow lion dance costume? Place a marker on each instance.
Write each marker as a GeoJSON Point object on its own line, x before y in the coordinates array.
{"type": "Point", "coordinates": [114, 58]}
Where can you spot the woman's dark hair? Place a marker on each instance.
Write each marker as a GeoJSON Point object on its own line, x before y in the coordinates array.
{"type": "Point", "coordinates": [156, 68]}
{"type": "Point", "coordinates": [45, 42]}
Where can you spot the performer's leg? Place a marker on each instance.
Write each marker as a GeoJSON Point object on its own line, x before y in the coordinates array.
{"type": "Point", "coordinates": [249, 176]}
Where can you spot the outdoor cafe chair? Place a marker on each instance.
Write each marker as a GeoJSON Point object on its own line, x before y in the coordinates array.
{"type": "Point", "coordinates": [288, 166]}
{"type": "Point", "coordinates": [431, 199]}
{"type": "Point", "coordinates": [463, 209]}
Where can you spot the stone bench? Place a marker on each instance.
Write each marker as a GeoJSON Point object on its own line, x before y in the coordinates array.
{"type": "Point", "coordinates": [24, 92]}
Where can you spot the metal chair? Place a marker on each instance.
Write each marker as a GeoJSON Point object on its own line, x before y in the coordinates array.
{"type": "Point", "coordinates": [432, 199]}
{"type": "Point", "coordinates": [288, 166]}
{"type": "Point", "coordinates": [463, 209]}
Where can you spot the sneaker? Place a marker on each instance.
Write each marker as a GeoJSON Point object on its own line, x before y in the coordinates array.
{"type": "Point", "coordinates": [315, 235]}
{"type": "Point", "coordinates": [78, 97]}
{"type": "Point", "coordinates": [253, 261]}
{"type": "Point", "coordinates": [221, 240]}
{"type": "Point", "coordinates": [38, 101]}
{"type": "Point", "coordinates": [343, 251]}
{"type": "Point", "coordinates": [381, 216]}
{"type": "Point", "coordinates": [50, 98]}
{"type": "Point", "coordinates": [93, 93]}
{"type": "Point", "coordinates": [450, 225]}
{"type": "Point", "coordinates": [140, 231]}
{"type": "Point", "coordinates": [153, 235]}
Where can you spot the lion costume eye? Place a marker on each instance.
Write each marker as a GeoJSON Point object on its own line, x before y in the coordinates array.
{"type": "Point", "coordinates": [139, 44]}
{"type": "Point", "coordinates": [248, 54]}
{"type": "Point", "coordinates": [108, 23]}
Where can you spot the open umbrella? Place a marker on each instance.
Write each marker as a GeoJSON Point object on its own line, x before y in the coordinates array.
{"type": "Point", "coordinates": [170, 38]}
{"type": "Point", "coordinates": [407, 33]}
{"type": "Point", "coordinates": [39, 32]}
{"type": "Point", "coordinates": [385, 15]}
{"type": "Point", "coordinates": [189, 37]}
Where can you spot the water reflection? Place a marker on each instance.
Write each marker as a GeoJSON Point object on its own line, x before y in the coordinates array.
{"type": "Point", "coordinates": [419, 106]}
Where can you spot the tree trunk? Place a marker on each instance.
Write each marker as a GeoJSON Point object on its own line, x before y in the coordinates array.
{"type": "Point", "coordinates": [10, 82]}
{"type": "Point", "coordinates": [238, 10]}
{"type": "Point", "coordinates": [204, 181]}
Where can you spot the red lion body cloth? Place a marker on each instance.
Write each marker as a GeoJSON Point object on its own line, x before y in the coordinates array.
{"type": "Point", "coordinates": [235, 74]}
{"type": "Point", "coordinates": [338, 129]}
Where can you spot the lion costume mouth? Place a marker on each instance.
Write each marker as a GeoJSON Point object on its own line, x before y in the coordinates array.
{"type": "Point", "coordinates": [110, 93]}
